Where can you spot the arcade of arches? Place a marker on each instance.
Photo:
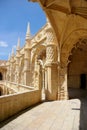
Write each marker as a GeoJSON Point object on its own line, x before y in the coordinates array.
{"type": "Point", "coordinates": [37, 65]}
{"type": "Point", "coordinates": [68, 19]}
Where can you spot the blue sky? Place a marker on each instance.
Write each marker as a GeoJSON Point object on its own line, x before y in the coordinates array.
{"type": "Point", "coordinates": [14, 17]}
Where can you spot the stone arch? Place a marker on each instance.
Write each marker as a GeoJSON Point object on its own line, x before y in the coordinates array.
{"type": "Point", "coordinates": [38, 62]}
{"type": "Point", "coordinates": [1, 76]}
{"type": "Point", "coordinates": [70, 43]}
{"type": "Point", "coordinates": [37, 51]}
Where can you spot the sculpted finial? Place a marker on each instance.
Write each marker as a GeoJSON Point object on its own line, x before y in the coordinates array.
{"type": "Point", "coordinates": [18, 44]}
{"type": "Point", "coordinates": [12, 52]}
{"type": "Point", "coordinates": [9, 56]}
{"type": "Point", "coordinates": [28, 32]}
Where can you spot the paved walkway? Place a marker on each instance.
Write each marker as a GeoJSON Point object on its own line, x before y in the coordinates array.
{"type": "Point", "coordinates": [55, 115]}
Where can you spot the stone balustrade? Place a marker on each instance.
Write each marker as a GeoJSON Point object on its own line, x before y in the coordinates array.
{"type": "Point", "coordinates": [13, 103]}
{"type": "Point", "coordinates": [18, 87]}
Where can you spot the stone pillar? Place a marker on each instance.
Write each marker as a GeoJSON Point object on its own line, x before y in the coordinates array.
{"type": "Point", "coordinates": [21, 69]}
{"type": "Point", "coordinates": [27, 57]}
{"type": "Point", "coordinates": [43, 83]}
{"type": "Point", "coordinates": [11, 69]}
{"type": "Point", "coordinates": [17, 62]}
{"type": "Point", "coordinates": [12, 60]}
{"type": "Point", "coordinates": [51, 66]}
{"type": "Point", "coordinates": [63, 90]}
{"type": "Point", "coordinates": [37, 75]}
{"type": "Point", "coordinates": [4, 75]}
{"type": "Point", "coordinates": [43, 79]}
{"type": "Point", "coordinates": [8, 70]}
{"type": "Point", "coordinates": [27, 77]}
{"type": "Point", "coordinates": [17, 69]}
{"type": "Point", "coordinates": [46, 80]}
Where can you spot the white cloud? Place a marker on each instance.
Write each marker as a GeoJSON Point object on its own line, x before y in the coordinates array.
{"type": "Point", "coordinates": [3, 44]}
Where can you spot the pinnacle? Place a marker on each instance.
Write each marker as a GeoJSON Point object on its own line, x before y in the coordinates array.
{"type": "Point", "coordinates": [18, 44]}
{"type": "Point", "coordinates": [12, 51]}
{"type": "Point", "coordinates": [28, 32]}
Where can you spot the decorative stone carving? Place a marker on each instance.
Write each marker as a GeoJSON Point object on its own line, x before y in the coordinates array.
{"type": "Point", "coordinates": [36, 73]}
{"type": "Point", "coordinates": [51, 56]}
{"type": "Point", "coordinates": [50, 36]}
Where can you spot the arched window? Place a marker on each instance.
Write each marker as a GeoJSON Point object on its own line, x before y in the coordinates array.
{"type": "Point", "coordinates": [1, 77]}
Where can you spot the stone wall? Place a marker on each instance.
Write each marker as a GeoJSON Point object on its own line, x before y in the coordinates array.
{"type": "Point", "coordinates": [12, 104]}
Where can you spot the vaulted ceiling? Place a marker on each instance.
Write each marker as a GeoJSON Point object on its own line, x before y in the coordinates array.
{"type": "Point", "coordinates": [61, 14]}
{"type": "Point", "coordinates": [65, 6]}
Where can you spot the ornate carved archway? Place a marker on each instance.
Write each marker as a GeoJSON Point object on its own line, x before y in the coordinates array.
{"type": "Point", "coordinates": [38, 61]}
{"type": "Point", "coordinates": [77, 70]}
{"type": "Point", "coordinates": [37, 51]}
{"type": "Point", "coordinates": [69, 43]}
{"type": "Point", "coordinates": [67, 46]}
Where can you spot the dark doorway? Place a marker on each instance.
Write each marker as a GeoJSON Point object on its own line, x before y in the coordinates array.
{"type": "Point", "coordinates": [83, 81]}
{"type": "Point", "coordinates": [1, 77]}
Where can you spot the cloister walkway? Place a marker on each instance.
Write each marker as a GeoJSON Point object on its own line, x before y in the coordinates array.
{"type": "Point", "coordinates": [54, 115]}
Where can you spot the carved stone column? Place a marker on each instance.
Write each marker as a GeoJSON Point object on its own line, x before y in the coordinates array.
{"type": "Point", "coordinates": [11, 69]}
{"type": "Point", "coordinates": [37, 74]}
{"type": "Point", "coordinates": [63, 92]}
{"type": "Point", "coordinates": [27, 57]}
{"type": "Point", "coordinates": [51, 65]}
{"type": "Point", "coordinates": [21, 69]}
{"type": "Point", "coordinates": [17, 68]}
{"type": "Point", "coordinates": [8, 70]}
{"type": "Point", "coordinates": [62, 76]}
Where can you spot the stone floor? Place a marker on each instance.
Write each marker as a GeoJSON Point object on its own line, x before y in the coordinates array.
{"type": "Point", "coordinates": [55, 115]}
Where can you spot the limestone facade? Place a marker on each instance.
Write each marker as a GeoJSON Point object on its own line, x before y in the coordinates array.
{"type": "Point", "coordinates": [36, 63]}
